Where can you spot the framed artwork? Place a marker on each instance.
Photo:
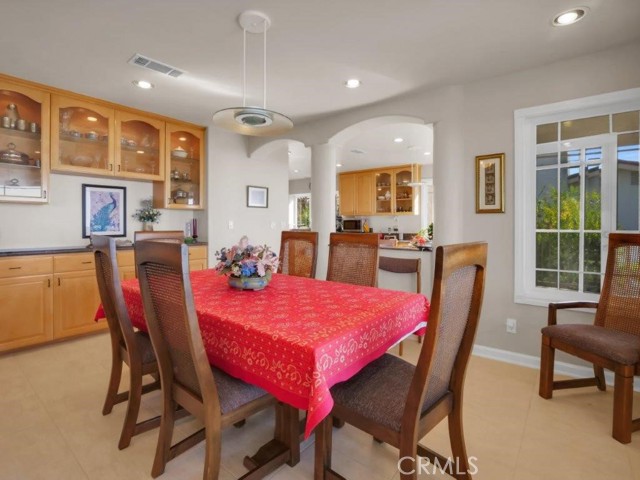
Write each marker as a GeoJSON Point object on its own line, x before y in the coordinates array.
{"type": "Point", "coordinates": [257, 197]}
{"type": "Point", "coordinates": [490, 183]}
{"type": "Point", "coordinates": [104, 211]}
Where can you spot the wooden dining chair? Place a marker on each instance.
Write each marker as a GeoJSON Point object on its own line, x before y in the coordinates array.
{"type": "Point", "coordinates": [298, 253]}
{"type": "Point", "coordinates": [612, 342]}
{"type": "Point", "coordinates": [188, 380]}
{"type": "Point", "coordinates": [403, 266]}
{"type": "Point", "coordinates": [127, 345]}
{"type": "Point", "coordinates": [353, 258]}
{"type": "Point", "coordinates": [399, 403]}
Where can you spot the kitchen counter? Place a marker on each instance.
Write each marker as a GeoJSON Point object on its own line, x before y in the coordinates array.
{"type": "Point", "coordinates": [405, 249]}
{"type": "Point", "coordinates": [14, 252]}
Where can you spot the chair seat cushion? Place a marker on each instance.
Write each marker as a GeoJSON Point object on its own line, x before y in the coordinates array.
{"type": "Point", "coordinates": [143, 343]}
{"type": "Point", "coordinates": [620, 347]}
{"type": "Point", "coordinates": [378, 392]}
{"type": "Point", "coordinates": [234, 393]}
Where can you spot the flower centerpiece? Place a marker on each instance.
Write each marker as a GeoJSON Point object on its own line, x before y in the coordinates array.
{"type": "Point", "coordinates": [147, 214]}
{"type": "Point", "coordinates": [248, 267]}
{"type": "Point", "coordinates": [422, 239]}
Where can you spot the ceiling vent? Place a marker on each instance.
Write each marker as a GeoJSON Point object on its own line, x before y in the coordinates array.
{"type": "Point", "coordinates": [156, 66]}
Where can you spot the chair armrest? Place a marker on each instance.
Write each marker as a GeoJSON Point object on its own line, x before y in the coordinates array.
{"type": "Point", "coordinates": [554, 307]}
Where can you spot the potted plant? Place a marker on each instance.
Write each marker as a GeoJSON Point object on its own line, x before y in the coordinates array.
{"type": "Point", "coordinates": [147, 214]}
{"type": "Point", "coordinates": [248, 267]}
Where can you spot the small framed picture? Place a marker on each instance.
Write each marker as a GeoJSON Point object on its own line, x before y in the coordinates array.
{"type": "Point", "coordinates": [490, 183]}
{"type": "Point", "coordinates": [257, 197]}
{"type": "Point", "coordinates": [104, 211]}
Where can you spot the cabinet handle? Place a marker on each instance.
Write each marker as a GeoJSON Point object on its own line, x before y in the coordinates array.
{"type": "Point", "coordinates": [15, 268]}
{"type": "Point", "coordinates": [48, 283]}
{"type": "Point", "coordinates": [118, 167]}
{"type": "Point", "coordinates": [58, 281]}
{"type": "Point", "coordinates": [86, 263]}
{"type": "Point", "coordinates": [111, 167]}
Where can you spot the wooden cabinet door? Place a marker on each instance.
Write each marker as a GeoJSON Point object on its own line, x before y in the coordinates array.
{"type": "Point", "coordinates": [26, 312]}
{"type": "Point", "coordinates": [81, 137]}
{"type": "Point", "coordinates": [24, 173]}
{"type": "Point", "coordinates": [406, 195]}
{"type": "Point", "coordinates": [197, 265]}
{"type": "Point", "coordinates": [76, 300]}
{"type": "Point", "coordinates": [197, 257]}
{"type": "Point", "coordinates": [347, 189]}
{"type": "Point", "coordinates": [184, 183]}
{"type": "Point", "coordinates": [139, 147]}
{"type": "Point", "coordinates": [365, 183]}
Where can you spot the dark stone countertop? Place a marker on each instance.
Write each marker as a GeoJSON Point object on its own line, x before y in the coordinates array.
{"type": "Point", "coordinates": [14, 252]}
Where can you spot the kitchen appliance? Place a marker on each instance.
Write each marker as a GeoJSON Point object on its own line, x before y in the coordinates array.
{"type": "Point", "coordinates": [351, 225]}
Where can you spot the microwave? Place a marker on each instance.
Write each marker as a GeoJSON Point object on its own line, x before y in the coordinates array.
{"type": "Point", "coordinates": [351, 225]}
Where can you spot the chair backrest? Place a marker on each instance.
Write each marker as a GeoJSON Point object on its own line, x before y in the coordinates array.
{"type": "Point", "coordinates": [155, 234]}
{"type": "Point", "coordinates": [619, 305]}
{"type": "Point", "coordinates": [163, 268]}
{"type": "Point", "coordinates": [298, 254]}
{"type": "Point", "coordinates": [455, 309]}
{"type": "Point", "coordinates": [353, 258]}
{"type": "Point", "coordinates": [402, 265]}
{"type": "Point", "coordinates": [113, 304]}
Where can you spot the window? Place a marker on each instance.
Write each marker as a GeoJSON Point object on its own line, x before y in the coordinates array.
{"type": "Point", "coordinates": [300, 211]}
{"type": "Point", "coordinates": [577, 167]}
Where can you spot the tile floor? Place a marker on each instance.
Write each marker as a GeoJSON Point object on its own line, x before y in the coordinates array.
{"type": "Point", "coordinates": [51, 427]}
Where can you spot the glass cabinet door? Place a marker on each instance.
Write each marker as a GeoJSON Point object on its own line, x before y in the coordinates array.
{"type": "Point", "coordinates": [140, 147]}
{"type": "Point", "coordinates": [24, 143]}
{"type": "Point", "coordinates": [405, 193]}
{"type": "Point", "coordinates": [183, 187]}
{"type": "Point", "coordinates": [383, 192]}
{"type": "Point", "coordinates": [81, 137]}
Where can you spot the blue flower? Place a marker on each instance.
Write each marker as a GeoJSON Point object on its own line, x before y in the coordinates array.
{"type": "Point", "coordinates": [248, 269]}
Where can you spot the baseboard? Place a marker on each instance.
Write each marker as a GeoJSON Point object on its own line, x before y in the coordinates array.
{"type": "Point", "coordinates": [561, 368]}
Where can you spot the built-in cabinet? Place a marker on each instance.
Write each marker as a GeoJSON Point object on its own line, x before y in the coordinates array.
{"type": "Point", "coordinates": [24, 143]}
{"type": "Point", "coordinates": [43, 128]}
{"type": "Point", "coordinates": [385, 191]}
{"type": "Point", "coordinates": [183, 187]}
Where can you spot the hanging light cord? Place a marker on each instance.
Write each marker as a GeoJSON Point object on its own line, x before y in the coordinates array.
{"type": "Point", "coordinates": [244, 67]}
{"type": "Point", "coordinates": [264, 82]}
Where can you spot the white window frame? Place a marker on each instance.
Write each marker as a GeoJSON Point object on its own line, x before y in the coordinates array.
{"type": "Point", "coordinates": [293, 209]}
{"type": "Point", "coordinates": [525, 121]}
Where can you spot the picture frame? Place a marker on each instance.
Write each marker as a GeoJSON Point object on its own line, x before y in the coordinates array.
{"type": "Point", "coordinates": [257, 197]}
{"type": "Point", "coordinates": [104, 210]}
{"type": "Point", "coordinates": [490, 183]}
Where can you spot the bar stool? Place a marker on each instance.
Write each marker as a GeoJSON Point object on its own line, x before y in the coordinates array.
{"type": "Point", "coordinates": [402, 265]}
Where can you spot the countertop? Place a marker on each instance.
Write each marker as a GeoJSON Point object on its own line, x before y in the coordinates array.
{"type": "Point", "coordinates": [406, 249]}
{"type": "Point", "coordinates": [13, 252]}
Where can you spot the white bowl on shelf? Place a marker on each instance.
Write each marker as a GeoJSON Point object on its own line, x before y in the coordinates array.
{"type": "Point", "coordinates": [179, 152]}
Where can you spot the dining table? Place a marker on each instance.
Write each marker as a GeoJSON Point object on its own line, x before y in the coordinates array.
{"type": "Point", "coordinates": [297, 337]}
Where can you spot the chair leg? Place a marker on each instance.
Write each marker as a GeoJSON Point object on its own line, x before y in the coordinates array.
{"type": "Point", "coordinates": [401, 348]}
{"type": "Point", "coordinates": [420, 338]}
{"type": "Point", "coordinates": [323, 441]}
{"type": "Point", "coordinates": [600, 381]}
{"type": "Point", "coordinates": [622, 407]}
{"type": "Point", "coordinates": [164, 435]}
{"type": "Point", "coordinates": [408, 460]}
{"type": "Point", "coordinates": [133, 407]}
{"type": "Point", "coordinates": [114, 383]}
{"type": "Point", "coordinates": [547, 358]}
{"type": "Point", "coordinates": [212, 454]}
{"type": "Point", "coordinates": [458, 447]}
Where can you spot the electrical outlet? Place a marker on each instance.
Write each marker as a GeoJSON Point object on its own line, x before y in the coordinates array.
{"type": "Point", "coordinates": [230, 224]}
{"type": "Point", "coordinates": [512, 325]}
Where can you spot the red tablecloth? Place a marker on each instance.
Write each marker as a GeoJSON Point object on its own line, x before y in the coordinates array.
{"type": "Point", "coordinates": [298, 337]}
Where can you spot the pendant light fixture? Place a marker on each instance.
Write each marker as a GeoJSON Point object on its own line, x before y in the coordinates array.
{"type": "Point", "coordinates": [415, 181]}
{"type": "Point", "coordinates": [250, 120]}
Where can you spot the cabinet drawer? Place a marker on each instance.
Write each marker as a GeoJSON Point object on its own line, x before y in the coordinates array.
{"type": "Point", "coordinates": [198, 253]}
{"type": "Point", "coordinates": [73, 262]}
{"type": "Point", "coordinates": [125, 258]}
{"type": "Point", "coordinates": [28, 265]}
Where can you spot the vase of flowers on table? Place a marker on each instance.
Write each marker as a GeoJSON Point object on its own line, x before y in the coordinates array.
{"type": "Point", "coordinates": [147, 214]}
{"type": "Point", "coordinates": [248, 267]}
{"type": "Point", "coordinates": [422, 239]}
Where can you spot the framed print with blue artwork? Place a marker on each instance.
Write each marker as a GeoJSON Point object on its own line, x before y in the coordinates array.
{"type": "Point", "coordinates": [104, 211]}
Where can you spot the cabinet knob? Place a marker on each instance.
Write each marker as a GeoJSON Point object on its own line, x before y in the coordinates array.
{"type": "Point", "coordinates": [111, 167]}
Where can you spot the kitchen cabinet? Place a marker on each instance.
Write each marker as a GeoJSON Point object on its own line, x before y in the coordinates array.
{"type": "Point", "coordinates": [24, 143]}
{"type": "Point", "coordinates": [183, 185]}
{"type": "Point", "coordinates": [140, 152]}
{"type": "Point", "coordinates": [382, 191]}
{"type": "Point", "coordinates": [126, 264]}
{"type": "Point", "coordinates": [26, 296]}
{"type": "Point", "coordinates": [197, 257]}
{"type": "Point", "coordinates": [76, 296]}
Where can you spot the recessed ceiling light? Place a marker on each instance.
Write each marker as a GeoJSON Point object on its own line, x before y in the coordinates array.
{"type": "Point", "coordinates": [569, 17]}
{"type": "Point", "coordinates": [352, 83]}
{"type": "Point", "coordinates": [92, 119]}
{"type": "Point", "coordinates": [143, 84]}
{"type": "Point", "coordinates": [338, 165]}
{"type": "Point", "coordinates": [182, 139]}
{"type": "Point", "coordinates": [296, 171]}
{"type": "Point", "coordinates": [140, 151]}
{"type": "Point", "coordinates": [398, 140]}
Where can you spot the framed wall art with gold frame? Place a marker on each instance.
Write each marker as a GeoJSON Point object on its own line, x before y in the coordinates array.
{"type": "Point", "coordinates": [490, 183]}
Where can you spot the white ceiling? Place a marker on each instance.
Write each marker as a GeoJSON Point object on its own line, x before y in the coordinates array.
{"type": "Point", "coordinates": [313, 47]}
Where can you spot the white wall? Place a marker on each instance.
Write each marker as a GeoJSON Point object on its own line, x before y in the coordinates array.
{"type": "Point", "coordinates": [59, 223]}
{"type": "Point", "coordinates": [301, 185]}
{"type": "Point", "coordinates": [228, 174]}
